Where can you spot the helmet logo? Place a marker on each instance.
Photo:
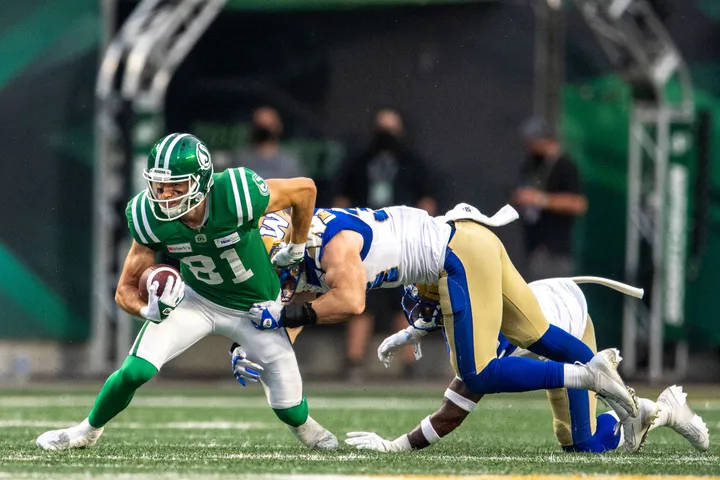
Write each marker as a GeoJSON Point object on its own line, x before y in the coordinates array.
{"type": "Point", "coordinates": [203, 156]}
{"type": "Point", "coordinates": [262, 186]}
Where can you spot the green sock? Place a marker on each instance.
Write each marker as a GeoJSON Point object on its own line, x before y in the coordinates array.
{"type": "Point", "coordinates": [293, 416]}
{"type": "Point", "coordinates": [119, 390]}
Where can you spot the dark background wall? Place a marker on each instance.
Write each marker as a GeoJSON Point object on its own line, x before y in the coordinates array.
{"type": "Point", "coordinates": [460, 73]}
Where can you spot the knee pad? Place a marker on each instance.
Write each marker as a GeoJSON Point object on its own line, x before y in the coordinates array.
{"type": "Point", "coordinates": [136, 371]}
{"type": "Point", "coordinates": [293, 416]}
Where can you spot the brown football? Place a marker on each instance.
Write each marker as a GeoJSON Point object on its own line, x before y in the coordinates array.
{"type": "Point", "coordinates": [157, 273]}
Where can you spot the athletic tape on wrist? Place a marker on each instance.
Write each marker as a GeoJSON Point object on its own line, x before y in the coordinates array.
{"type": "Point", "coordinates": [428, 431]}
{"type": "Point", "coordinates": [401, 444]}
{"type": "Point", "coordinates": [297, 248]}
{"type": "Point", "coordinates": [462, 402]}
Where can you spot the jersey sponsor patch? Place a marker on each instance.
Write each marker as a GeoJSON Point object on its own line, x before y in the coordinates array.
{"type": "Point", "coordinates": [179, 248]}
{"type": "Point", "coordinates": [231, 239]}
{"type": "Point", "coordinates": [262, 186]}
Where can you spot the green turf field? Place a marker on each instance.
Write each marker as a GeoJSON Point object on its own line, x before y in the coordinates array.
{"type": "Point", "coordinates": [229, 432]}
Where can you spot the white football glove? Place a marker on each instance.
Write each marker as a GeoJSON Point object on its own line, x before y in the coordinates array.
{"type": "Point", "coordinates": [243, 369]}
{"type": "Point", "coordinates": [373, 441]}
{"type": "Point", "coordinates": [393, 343]}
{"type": "Point", "coordinates": [158, 308]}
{"type": "Point", "coordinates": [266, 315]}
{"type": "Point", "coordinates": [288, 255]}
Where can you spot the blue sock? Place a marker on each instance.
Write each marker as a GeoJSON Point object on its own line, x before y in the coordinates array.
{"type": "Point", "coordinates": [604, 440]}
{"type": "Point", "coordinates": [605, 432]}
{"type": "Point", "coordinates": [556, 344]}
{"type": "Point", "coordinates": [516, 374]}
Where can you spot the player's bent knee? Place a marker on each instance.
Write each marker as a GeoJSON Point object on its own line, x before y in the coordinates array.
{"type": "Point", "coordinates": [293, 416]}
{"type": "Point", "coordinates": [136, 371]}
{"type": "Point", "coordinates": [485, 381]}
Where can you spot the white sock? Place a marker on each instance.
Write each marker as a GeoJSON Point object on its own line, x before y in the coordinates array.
{"type": "Point", "coordinates": [619, 427]}
{"type": "Point", "coordinates": [578, 376]}
{"type": "Point", "coordinates": [85, 427]}
{"type": "Point", "coordinates": [309, 432]}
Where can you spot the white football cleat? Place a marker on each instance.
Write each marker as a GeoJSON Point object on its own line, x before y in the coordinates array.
{"type": "Point", "coordinates": [79, 436]}
{"type": "Point", "coordinates": [315, 436]}
{"type": "Point", "coordinates": [680, 417]}
{"type": "Point", "coordinates": [636, 429]}
{"type": "Point", "coordinates": [607, 382]}
{"type": "Point", "coordinates": [326, 442]}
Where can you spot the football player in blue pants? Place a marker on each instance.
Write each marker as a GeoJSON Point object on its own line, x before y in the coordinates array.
{"type": "Point", "coordinates": [574, 422]}
{"type": "Point", "coordinates": [355, 250]}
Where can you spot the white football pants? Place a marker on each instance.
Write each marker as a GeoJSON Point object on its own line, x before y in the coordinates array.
{"type": "Point", "coordinates": [196, 317]}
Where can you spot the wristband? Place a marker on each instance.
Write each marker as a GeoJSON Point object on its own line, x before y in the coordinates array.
{"type": "Point", "coordinates": [401, 444]}
{"type": "Point", "coordinates": [298, 315]}
{"type": "Point", "coordinates": [296, 249]}
{"type": "Point", "coordinates": [428, 431]}
{"type": "Point", "coordinates": [462, 402]}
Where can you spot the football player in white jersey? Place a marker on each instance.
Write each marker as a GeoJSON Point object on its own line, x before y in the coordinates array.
{"type": "Point", "coordinates": [480, 291]}
{"type": "Point", "coordinates": [574, 421]}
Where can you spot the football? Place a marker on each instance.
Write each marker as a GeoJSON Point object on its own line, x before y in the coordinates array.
{"type": "Point", "coordinates": [157, 273]}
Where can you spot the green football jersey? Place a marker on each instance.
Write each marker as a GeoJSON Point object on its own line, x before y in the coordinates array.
{"type": "Point", "coordinates": [225, 260]}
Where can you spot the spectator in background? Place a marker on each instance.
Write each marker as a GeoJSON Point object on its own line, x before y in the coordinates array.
{"type": "Point", "coordinates": [264, 155]}
{"type": "Point", "coordinates": [548, 198]}
{"type": "Point", "coordinates": [386, 173]}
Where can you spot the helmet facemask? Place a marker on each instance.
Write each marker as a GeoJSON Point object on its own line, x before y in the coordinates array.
{"type": "Point", "coordinates": [175, 207]}
{"type": "Point", "coordinates": [289, 281]}
{"type": "Point", "coordinates": [291, 278]}
{"type": "Point", "coordinates": [422, 313]}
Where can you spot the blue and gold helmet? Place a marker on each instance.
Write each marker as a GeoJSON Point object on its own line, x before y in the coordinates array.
{"type": "Point", "coordinates": [421, 306]}
{"type": "Point", "coordinates": [275, 233]}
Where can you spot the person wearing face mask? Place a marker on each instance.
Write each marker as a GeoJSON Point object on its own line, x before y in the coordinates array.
{"type": "Point", "coordinates": [265, 155]}
{"type": "Point", "coordinates": [549, 199]}
{"type": "Point", "coordinates": [387, 172]}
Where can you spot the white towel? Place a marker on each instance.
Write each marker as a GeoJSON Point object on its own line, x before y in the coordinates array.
{"type": "Point", "coordinates": [463, 211]}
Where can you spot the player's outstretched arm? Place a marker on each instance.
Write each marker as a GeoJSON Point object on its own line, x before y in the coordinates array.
{"type": "Point", "coordinates": [456, 406]}
{"type": "Point", "coordinates": [346, 276]}
{"type": "Point", "coordinates": [298, 194]}
{"type": "Point", "coordinates": [127, 295]}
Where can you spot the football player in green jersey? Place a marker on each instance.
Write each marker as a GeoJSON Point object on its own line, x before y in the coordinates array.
{"type": "Point", "coordinates": [209, 222]}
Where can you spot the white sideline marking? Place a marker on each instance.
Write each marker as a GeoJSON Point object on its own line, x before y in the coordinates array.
{"type": "Point", "coordinates": [349, 457]}
{"type": "Point", "coordinates": [316, 403]}
{"type": "Point", "coordinates": [219, 425]}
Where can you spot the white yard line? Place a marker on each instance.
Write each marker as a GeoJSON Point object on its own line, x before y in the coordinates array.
{"type": "Point", "coordinates": [361, 457]}
{"type": "Point", "coordinates": [257, 402]}
{"type": "Point", "coordinates": [324, 403]}
{"type": "Point", "coordinates": [219, 425]}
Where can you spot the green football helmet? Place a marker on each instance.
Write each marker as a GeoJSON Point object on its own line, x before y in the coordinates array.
{"type": "Point", "coordinates": [178, 158]}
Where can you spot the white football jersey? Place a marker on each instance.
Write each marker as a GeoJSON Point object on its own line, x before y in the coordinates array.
{"type": "Point", "coordinates": [563, 304]}
{"type": "Point", "coordinates": [402, 245]}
